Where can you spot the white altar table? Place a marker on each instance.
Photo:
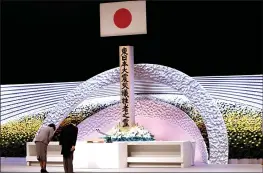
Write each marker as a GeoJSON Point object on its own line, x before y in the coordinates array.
{"type": "Point", "coordinates": [122, 154]}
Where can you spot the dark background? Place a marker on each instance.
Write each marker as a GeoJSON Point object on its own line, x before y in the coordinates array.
{"type": "Point", "coordinates": [60, 41]}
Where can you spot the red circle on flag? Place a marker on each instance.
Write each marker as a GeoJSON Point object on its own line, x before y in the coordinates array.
{"type": "Point", "coordinates": [122, 18]}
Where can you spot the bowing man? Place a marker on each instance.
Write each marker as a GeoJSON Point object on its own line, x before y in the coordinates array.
{"type": "Point", "coordinates": [67, 140]}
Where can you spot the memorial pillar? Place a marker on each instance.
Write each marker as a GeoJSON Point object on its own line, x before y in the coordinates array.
{"type": "Point", "coordinates": [127, 86]}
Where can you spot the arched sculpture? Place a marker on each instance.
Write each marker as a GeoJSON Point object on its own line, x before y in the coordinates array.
{"type": "Point", "coordinates": [216, 129]}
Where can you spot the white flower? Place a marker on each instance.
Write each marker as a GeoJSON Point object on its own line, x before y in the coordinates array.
{"type": "Point", "coordinates": [136, 131]}
{"type": "Point", "coordinates": [113, 136]}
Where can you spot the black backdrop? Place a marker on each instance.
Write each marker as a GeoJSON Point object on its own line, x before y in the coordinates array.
{"type": "Point", "coordinates": [60, 41]}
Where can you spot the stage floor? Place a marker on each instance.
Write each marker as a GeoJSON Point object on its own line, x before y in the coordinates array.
{"type": "Point", "coordinates": [19, 165]}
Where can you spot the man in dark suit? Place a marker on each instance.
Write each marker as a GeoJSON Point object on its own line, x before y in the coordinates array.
{"type": "Point", "coordinates": [67, 140]}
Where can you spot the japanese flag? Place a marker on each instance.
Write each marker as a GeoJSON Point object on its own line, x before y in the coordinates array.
{"type": "Point", "coordinates": [123, 18]}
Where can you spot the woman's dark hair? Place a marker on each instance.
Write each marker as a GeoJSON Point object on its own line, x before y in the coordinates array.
{"type": "Point", "coordinates": [53, 126]}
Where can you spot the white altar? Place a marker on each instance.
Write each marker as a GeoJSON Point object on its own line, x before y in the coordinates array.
{"type": "Point", "coordinates": [100, 155]}
{"type": "Point", "coordinates": [122, 154]}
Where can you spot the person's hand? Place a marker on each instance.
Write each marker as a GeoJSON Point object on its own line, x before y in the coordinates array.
{"type": "Point", "coordinates": [72, 148]}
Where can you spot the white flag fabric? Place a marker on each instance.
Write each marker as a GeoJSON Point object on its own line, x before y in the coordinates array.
{"type": "Point", "coordinates": [123, 18]}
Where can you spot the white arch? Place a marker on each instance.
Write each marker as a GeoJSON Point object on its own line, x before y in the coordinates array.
{"type": "Point", "coordinates": [216, 129]}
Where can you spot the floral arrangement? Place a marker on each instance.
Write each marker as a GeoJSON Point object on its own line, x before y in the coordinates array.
{"type": "Point", "coordinates": [15, 134]}
{"type": "Point", "coordinates": [245, 136]}
{"type": "Point", "coordinates": [243, 125]}
{"type": "Point", "coordinates": [134, 133]}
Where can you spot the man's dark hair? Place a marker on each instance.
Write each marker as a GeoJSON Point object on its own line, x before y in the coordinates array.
{"type": "Point", "coordinates": [52, 125]}
{"type": "Point", "coordinates": [74, 122]}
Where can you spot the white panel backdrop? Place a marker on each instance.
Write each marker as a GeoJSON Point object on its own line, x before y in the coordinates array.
{"type": "Point", "coordinates": [21, 99]}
